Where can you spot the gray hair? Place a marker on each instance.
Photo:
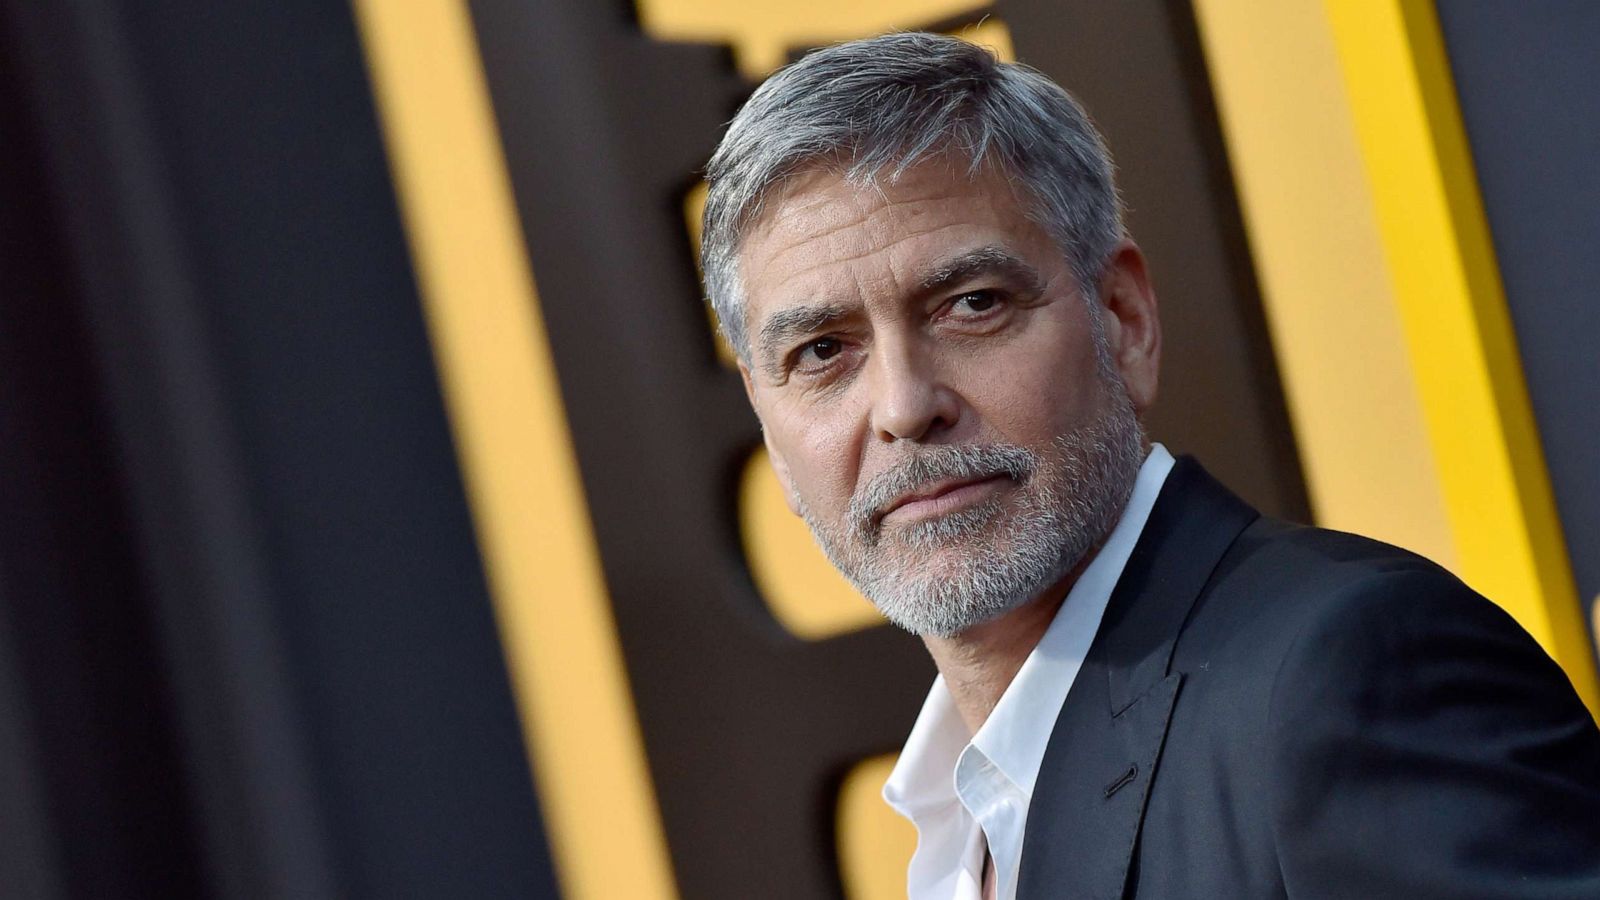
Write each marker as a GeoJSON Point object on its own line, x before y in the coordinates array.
{"type": "Point", "coordinates": [884, 104]}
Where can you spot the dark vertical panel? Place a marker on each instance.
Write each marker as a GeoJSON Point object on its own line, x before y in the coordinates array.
{"type": "Point", "coordinates": [346, 719]}
{"type": "Point", "coordinates": [93, 797]}
{"type": "Point", "coordinates": [30, 863]}
{"type": "Point", "coordinates": [1138, 68]}
{"type": "Point", "coordinates": [1528, 81]}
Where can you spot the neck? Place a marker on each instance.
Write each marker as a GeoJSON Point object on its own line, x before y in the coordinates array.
{"type": "Point", "coordinates": [979, 664]}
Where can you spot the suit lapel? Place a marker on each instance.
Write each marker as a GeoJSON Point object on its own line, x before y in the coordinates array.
{"type": "Point", "coordinates": [1088, 803]}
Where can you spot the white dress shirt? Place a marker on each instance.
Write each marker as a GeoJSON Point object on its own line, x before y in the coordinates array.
{"type": "Point", "coordinates": [965, 792]}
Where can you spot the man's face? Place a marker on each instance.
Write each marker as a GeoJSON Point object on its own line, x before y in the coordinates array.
{"type": "Point", "coordinates": [952, 419]}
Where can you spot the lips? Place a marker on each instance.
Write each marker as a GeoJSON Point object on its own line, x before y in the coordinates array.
{"type": "Point", "coordinates": [938, 480]}
{"type": "Point", "coordinates": [933, 497]}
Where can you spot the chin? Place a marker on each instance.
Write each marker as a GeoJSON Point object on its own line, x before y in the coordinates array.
{"type": "Point", "coordinates": [945, 600]}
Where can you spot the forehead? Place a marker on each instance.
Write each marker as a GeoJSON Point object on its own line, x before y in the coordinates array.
{"type": "Point", "coordinates": [823, 223]}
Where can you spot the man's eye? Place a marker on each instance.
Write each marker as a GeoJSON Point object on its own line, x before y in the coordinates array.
{"type": "Point", "coordinates": [822, 349]}
{"type": "Point", "coordinates": [978, 301]}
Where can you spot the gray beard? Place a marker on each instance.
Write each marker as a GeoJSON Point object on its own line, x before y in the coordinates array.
{"type": "Point", "coordinates": [943, 575]}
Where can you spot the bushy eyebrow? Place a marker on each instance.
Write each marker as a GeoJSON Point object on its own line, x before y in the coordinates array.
{"type": "Point", "coordinates": [785, 325]}
{"type": "Point", "coordinates": [991, 260]}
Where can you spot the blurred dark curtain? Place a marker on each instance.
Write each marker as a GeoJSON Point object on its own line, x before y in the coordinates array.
{"type": "Point", "coordinates": [246, 647]}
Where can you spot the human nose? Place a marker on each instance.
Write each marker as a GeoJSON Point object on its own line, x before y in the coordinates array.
{"type": "Point", "coordinates": [910, 401]}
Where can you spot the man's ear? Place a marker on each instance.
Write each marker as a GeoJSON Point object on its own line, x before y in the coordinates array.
{"type": "Point", "coordinates": [780, 467]}
{"type": "Point", "coordinates": [1133, 322]}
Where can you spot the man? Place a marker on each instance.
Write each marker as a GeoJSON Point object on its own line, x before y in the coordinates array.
{"type": "Point", "coordinates": [1146, 688]}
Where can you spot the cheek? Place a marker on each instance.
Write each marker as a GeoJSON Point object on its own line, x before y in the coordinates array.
{"type": "Point", "coordinates": [821, 460]}
{"type": "Point", "coordinates": [1031, 391]}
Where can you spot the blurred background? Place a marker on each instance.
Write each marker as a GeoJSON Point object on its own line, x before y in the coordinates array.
{"type": "Point", "coordinates": [380, 516]}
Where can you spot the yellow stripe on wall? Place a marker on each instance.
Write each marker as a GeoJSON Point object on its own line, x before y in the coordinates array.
{"type": "Point", "coordinates": [1319, 258]}
{"type": "Point", "coordinates": [1458, 332]}
{"type": "Point", "coordinates": [516, 454]}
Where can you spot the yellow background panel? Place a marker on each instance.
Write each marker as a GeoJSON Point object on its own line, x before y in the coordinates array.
{"type": "Point", "coordinates": [873, 851]}
{"type": "Point", "coordinates": [1382, 297]}
{"type": "Point", "coordinates": [1329, 305]}
{"type": "Point", "coordinates": [1458, 333]}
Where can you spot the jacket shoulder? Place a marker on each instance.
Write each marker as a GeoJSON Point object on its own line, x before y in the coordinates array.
{"type": "Point", "coordinates": [1294, 578]}
{"type": "Point", "coordinates": [1377, 723]}
{"type": "Point", "coordinates": [1313, 619]}
{"type": "Point", "coordinates": [1279, 579]}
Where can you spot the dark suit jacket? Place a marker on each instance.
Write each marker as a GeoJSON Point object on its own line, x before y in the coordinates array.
{"type": "Point", "coordinates": [1271, 710]}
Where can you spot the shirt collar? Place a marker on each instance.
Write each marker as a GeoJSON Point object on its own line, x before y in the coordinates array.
{"type": "Point", "coordinates": [1016, 733]}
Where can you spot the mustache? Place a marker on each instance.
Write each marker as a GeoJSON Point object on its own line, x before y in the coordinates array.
{"type": "Point", "coordinates": [930, 464]}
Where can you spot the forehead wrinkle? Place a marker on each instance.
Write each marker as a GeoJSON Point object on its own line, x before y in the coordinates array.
{"type": "Point", "coordinates": [825, 262]}
{"type": "Point", "coordinates": [823, 187]}
{"type": "Point", "coordinates": [865, 213]}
